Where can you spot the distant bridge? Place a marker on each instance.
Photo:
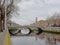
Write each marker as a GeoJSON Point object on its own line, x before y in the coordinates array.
{"type": "Point", "coordinates": [33, 30]}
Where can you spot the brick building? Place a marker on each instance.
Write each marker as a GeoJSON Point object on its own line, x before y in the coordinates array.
{"type": "Point", "coordinates": [46, 23]}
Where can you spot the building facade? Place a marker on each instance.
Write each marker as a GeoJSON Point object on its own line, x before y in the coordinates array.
{"type": "Point", "coordinates": [47, 23]}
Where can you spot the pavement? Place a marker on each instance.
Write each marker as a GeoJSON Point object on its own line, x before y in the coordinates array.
{"type": "Point", "coordinates": [1, 38]}
{"type": "Point", "coordinates": [5, 38]}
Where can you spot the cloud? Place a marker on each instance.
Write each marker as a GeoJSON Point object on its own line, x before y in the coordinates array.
{"type": "Point", "coordinates": [29, 9]}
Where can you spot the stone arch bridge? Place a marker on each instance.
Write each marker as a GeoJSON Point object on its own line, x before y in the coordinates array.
{"type": "Point", "coordinates": [33, 30]}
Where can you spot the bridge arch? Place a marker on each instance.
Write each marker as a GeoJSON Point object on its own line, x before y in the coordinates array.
{"type": "Point", "coordinates": [15, 32]}
{"type": "Point", "coordinates": [30, 31]}
{"type": "Point", "coordinates": [39, 31]}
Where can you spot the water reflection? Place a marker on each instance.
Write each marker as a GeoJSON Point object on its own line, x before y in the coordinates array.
{"type": "Point", "coordinates": [50, 41]}
{"type": "Point", "coordinates": [23, 40]}
{"type": "Point", "coordinates": [32, 40]}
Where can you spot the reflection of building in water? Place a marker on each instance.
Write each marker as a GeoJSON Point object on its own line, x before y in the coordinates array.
{"type": "Point", "coordinates": [51, 41]}
{"type": "Point", "coordinates": [50, 38]}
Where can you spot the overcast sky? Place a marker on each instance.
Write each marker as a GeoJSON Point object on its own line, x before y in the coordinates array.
{"type": "Point", "coordinates": [29, 9]}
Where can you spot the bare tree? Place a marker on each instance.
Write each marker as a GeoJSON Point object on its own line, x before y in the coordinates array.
{"type": "Point", "coordinates": [54, 16]}
{"type": "Point", "coordinates": [10, 8]}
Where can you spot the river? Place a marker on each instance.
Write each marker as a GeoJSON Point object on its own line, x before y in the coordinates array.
{"type": "Point", "coordinates": [31, 40]}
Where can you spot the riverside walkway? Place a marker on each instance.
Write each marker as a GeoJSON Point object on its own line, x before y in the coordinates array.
{"type": "Point", "coordinates": [5, 38]}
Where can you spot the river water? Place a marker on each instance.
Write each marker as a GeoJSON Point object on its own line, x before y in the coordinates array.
{"type": "Point", "coordinates": [31, 40]}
